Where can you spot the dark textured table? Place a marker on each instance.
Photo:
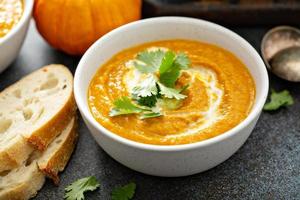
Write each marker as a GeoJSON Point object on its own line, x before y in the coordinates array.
{"type": "Point", "coordinates": [266, 167]}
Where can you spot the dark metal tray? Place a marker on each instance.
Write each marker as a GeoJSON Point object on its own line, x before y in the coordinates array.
{"type": "Point", "coordinates": [232, 12]}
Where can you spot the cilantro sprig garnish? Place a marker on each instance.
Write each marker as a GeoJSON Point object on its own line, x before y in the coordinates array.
{"type": "Point", "coordinates": [171, 66]}
{"type": "Point", "coordinates": [147, 101]}
{"type": "Point", "coordinates": [162, 69]}
{"type": "Point", "coordinates": [279, 99]}
{"type": "Point", "coordinates": [124, 106]}
{"type": "Point", "coordinates": [124, 193]}
{"type": "Point", "coordinates": [146, 88]}
{"type": "Point", "coordinates": [170, 92]}
{"type": "Point", "coordinates": [75, 190]}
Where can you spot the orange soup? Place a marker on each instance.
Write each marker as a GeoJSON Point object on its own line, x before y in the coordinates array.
{"type": "Point", "coordinates": [219, 95]}
{"type": "Point", "coordinates": [10, 14]}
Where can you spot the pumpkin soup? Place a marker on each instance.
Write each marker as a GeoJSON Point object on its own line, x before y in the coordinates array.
{"type": "Point", "coordinates": [10, 14]}
{"type": "Point", "coordinates": [171, 92]}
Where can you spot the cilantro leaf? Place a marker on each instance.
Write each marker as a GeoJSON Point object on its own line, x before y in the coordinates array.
{"type": "Point", "coordinates": [170, 77]}
{"type": "Point", "coordinates": [124, 193]}
{"type": "Point", "coordinates": [171, 66]}
{"type": "Point", "coordinates": [147, 101]}
{"type": "Point", "coordinates": [124, 106]}
{"type": "Point", "coordinates": [182, 61]}
{"type": "Point", "coordinates": [279, 99]}
{"type": "Point", "coordinates": [146, 88]}
{"type": "Point", "coordinates": [167, 62]}
{"type": "Point", "coordinates": [149, 61]}
{"type": "Point", "coordinates": [76, 189]}
{"type": "Point", "coordinates": [170, 92]}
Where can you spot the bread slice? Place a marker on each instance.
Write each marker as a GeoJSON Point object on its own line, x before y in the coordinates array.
{"type": "Point", "coordinates": [33, 112]}
{"type": "Point", "coordinates": [23, 183]}
{"type": "Point", "coordinates": [54, 159]}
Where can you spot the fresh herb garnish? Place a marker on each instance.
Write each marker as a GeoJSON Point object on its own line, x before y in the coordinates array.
{"type": "Point", "coordinates": [146, 88]}
{"type": "Point", "coordinates": [124, 193]}
{"type": "Point", "coordinates": [124, 106]}
{"type": "Point", "coordinates": [167, 62]}
{"type": "Point", "coordinates": [170, 92]}
{"type": "Point", "coordinates": [182, 61]}
{"type": "Point", "coordinates": [279, 99]}
{"type": "Point", "coordinates": [161, 70]}
{"type": "Point", "coordinates": [171, 66]}
{"type": "Point", "coordinates": [149, 61]}
{"type": "Point", "coordinates": [170, 77]}
{"type": "Point", "coordinates": [75, 190]}
{"type": "Point", "coordinates": [147, 101]}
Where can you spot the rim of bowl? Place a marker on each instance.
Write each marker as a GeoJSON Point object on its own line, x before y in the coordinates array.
{"type": "Point", "coordinates": [27, 6]}
{"type": "Point", "coordinates": [257, 107]}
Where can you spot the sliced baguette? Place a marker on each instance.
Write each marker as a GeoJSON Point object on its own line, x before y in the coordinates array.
{"type": "Point", "coordinates": [54, 159]}
{"type": "Point", "coordinates": [33, 111]}
{"type": "Point", "coordinates": [13, 156]}
{"type": "Point", "coordinates": [23, 183]}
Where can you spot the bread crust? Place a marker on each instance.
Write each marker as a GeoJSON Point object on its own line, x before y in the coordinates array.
{"type": "Point", "coordinates": [41, 165]}
{"type": "Point", "coordinates": [27, 189]}
{"type": "Point", "coordinates": [43, 136]}
{"type": "Point", "coordinates": [14, 155]}
{"type": "Point", "coordinates": [60, 158]}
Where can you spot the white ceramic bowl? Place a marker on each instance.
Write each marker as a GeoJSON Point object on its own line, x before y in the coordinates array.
{"type": "Point", "coordinates": [176, 160]}
{"type": "Point", "coordinates": [11, 43]}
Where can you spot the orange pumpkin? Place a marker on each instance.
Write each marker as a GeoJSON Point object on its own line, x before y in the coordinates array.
{"type": "Point", "coordinates": [73, 25]}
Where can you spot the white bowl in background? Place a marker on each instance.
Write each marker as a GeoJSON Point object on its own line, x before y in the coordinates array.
{"type": "Point", "coordinates": [174, 160]}
{"type": "Point", "coordinates": [11, 43]}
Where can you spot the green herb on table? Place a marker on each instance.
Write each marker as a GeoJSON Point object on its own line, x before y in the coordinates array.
{"type": "Point", "coordinates": [162, 70]}
{"type": "Point", "coordinates": [76, 189]}
{"type": "Point", "coordinates": [279, 99]}
{"type": "Point", "coordinates": [124, 193]}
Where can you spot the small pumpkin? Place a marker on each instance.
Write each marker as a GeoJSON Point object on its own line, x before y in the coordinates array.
{"type": "Point", "coordinates": [73, 25]}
